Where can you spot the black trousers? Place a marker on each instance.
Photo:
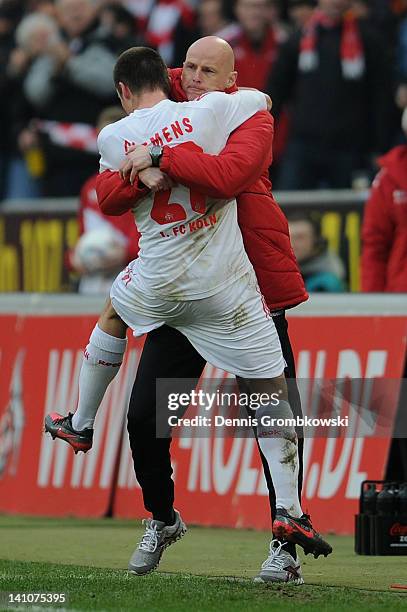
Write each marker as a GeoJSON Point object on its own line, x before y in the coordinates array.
{"type": "Point", "coordinates": [168, 354]}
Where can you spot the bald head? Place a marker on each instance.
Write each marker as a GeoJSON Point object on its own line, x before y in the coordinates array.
{"type": "Point", "coordinates": [209, 66]}
{"type": "Point", "coordinates": [215, 48]}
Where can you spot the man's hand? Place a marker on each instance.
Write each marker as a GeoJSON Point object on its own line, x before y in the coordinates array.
{"type": "Point", "coordinates": [155, 180]}
{"type": "Point", "coordinates": [60, 52]}
{"type": "Point", "coordinates": [138, 158]}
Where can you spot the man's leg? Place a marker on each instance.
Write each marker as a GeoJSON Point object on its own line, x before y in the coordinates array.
{"type": "Point", "coordinates": [294, 399]}
{"type": "Point", "coordinates": [234, 331]}
{"type": "Point", "coordinates": [277, 439]}
{"type": "Point", "coordinates": [101, 362]}
{"type": "Point", "coordinates": [166, 354]}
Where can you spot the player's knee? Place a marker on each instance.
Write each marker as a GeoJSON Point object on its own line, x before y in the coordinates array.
{"type": "Point", "coordinates": [110, 322]}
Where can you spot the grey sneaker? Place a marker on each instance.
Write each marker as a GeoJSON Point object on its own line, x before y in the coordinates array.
{"type": "Point", "coordinates": [157, 537]}
{"type": "Point", "coordinates": [280, 566]}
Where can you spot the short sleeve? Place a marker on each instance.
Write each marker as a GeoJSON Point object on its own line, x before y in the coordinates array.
{"type": "Point", "coordinates": [231, 110]}
{"type": "Point", "coordinates": [111, 150]}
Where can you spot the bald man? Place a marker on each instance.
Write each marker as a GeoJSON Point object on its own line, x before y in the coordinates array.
{"type": "Point", "coordinates": [209, 66]}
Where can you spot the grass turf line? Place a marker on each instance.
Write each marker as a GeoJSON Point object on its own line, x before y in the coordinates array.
{"type": "Point", "coordinates": [87, 559]}
{"type": "Point", "coordinates": [106, 589]}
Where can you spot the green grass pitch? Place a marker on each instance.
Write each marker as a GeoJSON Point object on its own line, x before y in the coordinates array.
{"type": "Point", "coordinates": [208, 570]}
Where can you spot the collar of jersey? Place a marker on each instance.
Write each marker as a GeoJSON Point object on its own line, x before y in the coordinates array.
{"type": "Point", "coordinates": [146, 110]}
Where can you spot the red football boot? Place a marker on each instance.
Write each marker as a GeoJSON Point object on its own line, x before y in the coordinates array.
{"type": "Point", "coordinates": [61, 427]}
{"type": "Point", "coordinates": [300, 531]}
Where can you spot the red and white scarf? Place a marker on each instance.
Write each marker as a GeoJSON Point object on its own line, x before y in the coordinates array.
{"type": "Point", "coordinates": [351, 49]}
{"type": "Point", "coordinates": [80, 136]}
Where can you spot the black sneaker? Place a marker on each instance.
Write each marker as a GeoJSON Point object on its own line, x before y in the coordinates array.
{"type": "Point", "coordinates": [301, 532]}
{"type": "Point", "coordinates": [61, 427]}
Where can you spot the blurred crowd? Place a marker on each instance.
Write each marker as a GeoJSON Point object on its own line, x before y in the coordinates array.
{"type": "Point", "coordinates": [334, 115]}
{"type": "Point", "coordinates": [336, 71]}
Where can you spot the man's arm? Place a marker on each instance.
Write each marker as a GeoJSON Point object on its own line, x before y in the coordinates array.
{"type": "Point", "coordinates": [244, 159]}
{"type": "Point", "coordinates": [116, 196]}
{"type": "Point", "coordinates": [377, 235]}
{"type": "Point", "coordinates": [229, 111]}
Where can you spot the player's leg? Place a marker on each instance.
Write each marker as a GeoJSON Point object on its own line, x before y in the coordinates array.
{"type": "Point", "coordinates": [101, 362]}
{"type": "Point", "coordinates": [235, 332]}
{"type": "Point", "coordinates": [166, 354]}
{"type": "Point", "coordinates": [282, 562]}
{"type": "Point", "coordinates": [281, 325]}
{"type": "Point", "coordinates": [278, 442]}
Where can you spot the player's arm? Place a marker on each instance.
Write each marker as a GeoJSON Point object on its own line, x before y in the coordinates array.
{"type": "Point", "coordinates": [377, 236]}
{"type": "Point", "coordinates": [246, 156]}
{"type": "Point", "coordinates": [115, 196]}
{"type": "Point", "coordinates": [231, 110]}
{"type": "Point", "coordinates": [243, 160]}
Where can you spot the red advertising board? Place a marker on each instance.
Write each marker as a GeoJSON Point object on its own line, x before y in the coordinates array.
{"type": "Point", "coordinates": [40, 362]}
{"type": "Point", "coordinates": [218, 480]}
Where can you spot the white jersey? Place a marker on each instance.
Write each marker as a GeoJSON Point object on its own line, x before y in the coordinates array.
{"type": "Point", "coordinates": [190, 246]}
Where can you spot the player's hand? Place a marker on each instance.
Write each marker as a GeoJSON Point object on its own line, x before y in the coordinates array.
{"type": "Point", "coordinates": [156, 180]}
{"type": "Point", "coordinates": [138, 158]}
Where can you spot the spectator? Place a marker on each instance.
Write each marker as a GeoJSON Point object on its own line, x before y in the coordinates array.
{"type": "Point", "coordinates": [384, 230]}
{"type": "Point", "coordinates": [255, 46]}
{"type": "Point", "coordinates": [300, 11]}
{"type": "Point", "coordinates": [117, 22]}
{"type": "Point", "coordinates": [321, 269]}
{"type": "Point", "coordinates": [165, 17]}
{"type": "Point", "coordinates": [124, 245]}
{"type": "Point", "coordinates": [213, 19]}
{"type": "Point", "coordinates": [10, 13]}
{"type": "Point", "coordinates": [401, 66]}
{"type": "Point", "coordinates": [69, 83]}
{"type": "Point", "coordinates": [34, 34]}
{"type": "Point", "coordinates": [336, 78]}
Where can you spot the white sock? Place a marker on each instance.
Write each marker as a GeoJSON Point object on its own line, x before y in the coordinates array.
{"type": "Point", "coordinates": [279, 445]}
{"type": "Point", "coordinates": [101, 362]}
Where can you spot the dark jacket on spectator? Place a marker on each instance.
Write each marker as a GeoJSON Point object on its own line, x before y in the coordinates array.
{"type": "Point", "coordinates": [329, 110]}
{"type": "Point", "coordinates": [384, 232]}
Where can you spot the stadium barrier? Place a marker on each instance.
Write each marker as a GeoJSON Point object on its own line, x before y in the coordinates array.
{"type": "Point", "coordinates": [218, 480]}
{"type": "Point", "coordinates": [35, 234]}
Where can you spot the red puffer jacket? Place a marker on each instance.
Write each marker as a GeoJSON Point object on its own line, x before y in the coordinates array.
{"type": "Point", "coordinates": [384, 232]}
{"type": "Point", "coordinates": [235, 171]}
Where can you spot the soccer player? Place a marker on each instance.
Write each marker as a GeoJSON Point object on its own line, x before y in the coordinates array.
{"type": "Point", "coordinates": [145, 296]}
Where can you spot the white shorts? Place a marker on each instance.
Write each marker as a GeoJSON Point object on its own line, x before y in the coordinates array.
{"type": "Point", "coordinates": [232, 330]}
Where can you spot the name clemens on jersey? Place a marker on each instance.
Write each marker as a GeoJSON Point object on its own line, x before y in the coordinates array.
{"type": "Point", "coordinates": [167, 134]}
{"type": "Point", "coordinates": [191, 227]}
